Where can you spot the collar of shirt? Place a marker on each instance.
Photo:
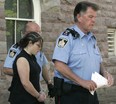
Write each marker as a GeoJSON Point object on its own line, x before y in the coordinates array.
{"type": "Point", "coordinates": [89, 35]}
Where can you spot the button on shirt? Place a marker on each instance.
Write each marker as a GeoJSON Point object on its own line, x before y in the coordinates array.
{"type": "Point", "coordinates": [82, 55]}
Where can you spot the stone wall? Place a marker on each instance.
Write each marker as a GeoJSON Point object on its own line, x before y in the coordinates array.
{"type": "Point", "coordinates": [3, 81]}
{"type": "Point", "coordinates": [57, 15]}
{"type": "Point", "coordinates": [2, 35]}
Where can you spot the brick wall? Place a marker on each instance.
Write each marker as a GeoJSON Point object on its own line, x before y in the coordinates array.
{"type": "Point", "coordinates": [2, 34]}
{"type": "Point", "coordinates": [59, 17]}
{"type": "Point", "coordinates": [3, 81]}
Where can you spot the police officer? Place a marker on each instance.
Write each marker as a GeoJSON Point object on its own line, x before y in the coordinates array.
{"type": "Point", "coordinates": [15, 50]}
{"type": "Point", "coordinates": [76, 56]}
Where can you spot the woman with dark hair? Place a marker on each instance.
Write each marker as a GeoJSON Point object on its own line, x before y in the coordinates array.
{"type": "Point", "coordinates": [25, 87]}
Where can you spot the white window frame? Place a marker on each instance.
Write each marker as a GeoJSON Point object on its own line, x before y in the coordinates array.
{"type": "Point", "coordinates": [36, 17]}
{"type": "Point", "coordinates": [111, 42]}
{"type": "Point", "coordinates": [37, 11]}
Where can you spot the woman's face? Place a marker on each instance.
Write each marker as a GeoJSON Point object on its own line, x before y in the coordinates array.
{"type": "Point", "coordinates": [36, 47]}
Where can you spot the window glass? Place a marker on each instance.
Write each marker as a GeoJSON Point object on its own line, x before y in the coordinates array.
{"type": "Point", "coordinates": [17, 13]}
{"type": "Point", "coordinates": [10, 8]}
{"type": "Point", "coordinates": [25, 9]}
{"type": "Point", "coordinates": [9, 33]}
{"type": "Point", "coordinates": [19, 30]}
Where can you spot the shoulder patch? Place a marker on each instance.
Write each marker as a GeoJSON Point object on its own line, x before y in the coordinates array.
{"type": "Point", "coordinates": [62, 42]}
{"type": "Point", "coordinates": [12, 53]}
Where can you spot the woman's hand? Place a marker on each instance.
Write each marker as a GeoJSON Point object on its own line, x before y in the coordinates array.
{"type": "Point", "coordinates": [42, 97]}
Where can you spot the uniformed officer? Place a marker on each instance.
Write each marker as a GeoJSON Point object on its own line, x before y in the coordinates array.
{"type": "Point", "coordinates": [15, 50]}
{"type": "Point", "coordinates": [76, 56]}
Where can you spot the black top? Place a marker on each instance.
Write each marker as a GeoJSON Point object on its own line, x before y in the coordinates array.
{"type": "Point", "coordinates": [18, 94]}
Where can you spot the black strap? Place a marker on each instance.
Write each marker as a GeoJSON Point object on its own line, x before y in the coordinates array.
{"type": "Point", "coordinates": [74, 33]}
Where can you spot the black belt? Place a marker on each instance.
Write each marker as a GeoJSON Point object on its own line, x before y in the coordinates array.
{"type": "Point", "coordinates": [64, 87]}
{"type": "Point", "coordinates": [79, 88]}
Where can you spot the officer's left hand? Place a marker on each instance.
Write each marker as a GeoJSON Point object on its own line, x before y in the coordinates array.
{"type": "Point", "coordinates": [109, 77]}
{"type": "Point", "coordinates": [51, 91]}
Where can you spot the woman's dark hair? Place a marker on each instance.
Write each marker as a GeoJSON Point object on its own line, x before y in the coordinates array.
{"type": "Point", "coordinates": [33, 37]}
{"type": "Point", "coordinates": [82, 7]}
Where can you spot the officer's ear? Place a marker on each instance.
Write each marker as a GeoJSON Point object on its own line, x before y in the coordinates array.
{"type": "Point", "coordinates": [79, 17]}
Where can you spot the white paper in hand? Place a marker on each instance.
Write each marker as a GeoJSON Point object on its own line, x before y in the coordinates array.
{"type": "Point", "coordinates": [99, 80]}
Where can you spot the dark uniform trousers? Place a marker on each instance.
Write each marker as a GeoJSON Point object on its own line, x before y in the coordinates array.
{"type": "Point", "coordinates": [31, 103]}
{"type": "Point", "coordinates": [77, 95]}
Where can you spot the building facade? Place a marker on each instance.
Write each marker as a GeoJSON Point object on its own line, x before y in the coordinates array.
{"type": "Point", "coordinates": [54, 16]}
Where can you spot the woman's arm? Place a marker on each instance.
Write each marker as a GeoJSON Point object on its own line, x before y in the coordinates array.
{"type": "Point", "coordinates": [24, 77]}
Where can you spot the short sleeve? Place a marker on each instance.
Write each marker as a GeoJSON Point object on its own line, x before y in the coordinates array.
{"type": "Point", "coordinates": [62, 49]}
{"type": "Point", "coordinates": [45, 61]}
{"type": "Point", "coordinates": [12, 53]}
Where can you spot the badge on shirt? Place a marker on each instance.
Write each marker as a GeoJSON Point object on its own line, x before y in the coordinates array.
{"type": "Point", "coordinates": [62, 42]}
{"type": "Point", "coordinates": [66, 32]}
{"type": "Point", "coordinates": [12, 53]}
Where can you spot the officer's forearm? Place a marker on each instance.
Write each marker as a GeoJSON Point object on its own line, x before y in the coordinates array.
{"type": "Point", "coordinates": [8, 71]}
{"type": "Point", "coordinates": [45, 74]}
{"type": "Point", "coordinates": [102, 70]}
{"type": "Point", "coordinates": [66, 71]}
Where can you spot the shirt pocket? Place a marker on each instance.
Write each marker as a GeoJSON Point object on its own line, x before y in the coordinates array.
{"type": "Point", "coordinates": [96, 51]}
{"type": "Point", "coordinates": [79, 52]}
{"type": "Point", "coordinates": [77, 56]}
{"type": "Point", "coordinates": [97, 54]}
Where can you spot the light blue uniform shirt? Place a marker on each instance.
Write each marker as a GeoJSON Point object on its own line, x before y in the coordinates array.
{"type": "Point", "coordinates": [14, 51]}
{"type": "Point", "coordinates": [82, 55]}
{"type": "Point", "coordinates": [42, 61]}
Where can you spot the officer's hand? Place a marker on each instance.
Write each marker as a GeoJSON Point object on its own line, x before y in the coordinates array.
{"type": "Point", "coordinates": [88, 84]}
{"type": "Point", "coordinates": [51, 90]}
{"type": "Point", "coordinates": [109, 77]}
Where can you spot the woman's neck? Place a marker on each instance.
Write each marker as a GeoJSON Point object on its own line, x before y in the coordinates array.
{"type": "Point", "coordinates": [27, 50]}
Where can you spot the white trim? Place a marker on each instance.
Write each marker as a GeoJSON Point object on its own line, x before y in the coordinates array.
{"type": "Point", "coordinates": [20, 19]}
{"type": "Point", "coordinates": [115, 42]}
{"type": "Point", "coordinates": [17, 8]}
{"type": "Point", "coordinates": [37, 11]}
{"type": "Point", "coordinates": [15, 31]}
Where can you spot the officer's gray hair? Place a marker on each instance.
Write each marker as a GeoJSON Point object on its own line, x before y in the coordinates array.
{"type": "Point", "coordinates": [82, 7]}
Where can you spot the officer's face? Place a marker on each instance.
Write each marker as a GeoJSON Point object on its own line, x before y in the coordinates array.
{"type": "Point", "coordinates": [33, 28]}
{"type": "Point", "coordinates": [87, 20]}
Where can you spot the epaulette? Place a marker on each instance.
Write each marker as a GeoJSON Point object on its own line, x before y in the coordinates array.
{"type": "Point", "coordinates": [74, 33]}
{"type": "Point", "coordinates": [94, 37]}
{"type": "Point", "coordinates": [16, 45]}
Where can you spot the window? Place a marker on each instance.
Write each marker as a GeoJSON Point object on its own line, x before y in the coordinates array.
{"type": "Point", "coordinates": [111, 41]}
{"type": "Point", "coordinates": [17, 14]}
